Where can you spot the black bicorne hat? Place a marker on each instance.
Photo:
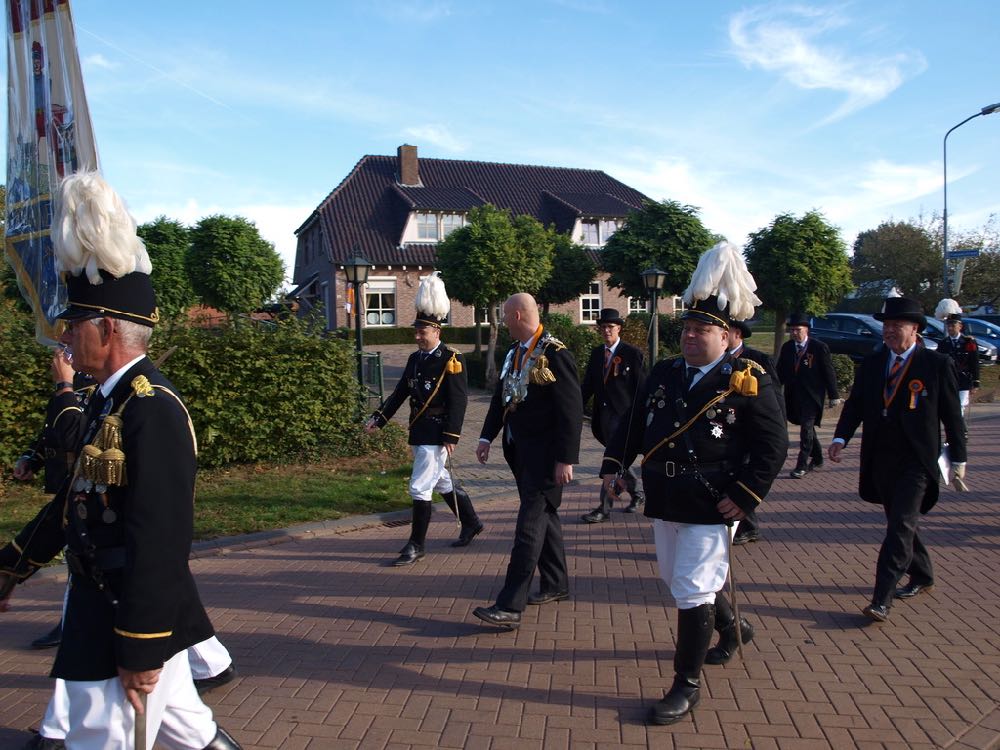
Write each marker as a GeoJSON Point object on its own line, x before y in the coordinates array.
{"type": "Point", "coordinates": [130, 297]}
{"type": "Point", "coordinates": [707, 311]}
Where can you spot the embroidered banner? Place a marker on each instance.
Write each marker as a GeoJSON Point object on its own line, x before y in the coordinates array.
{"type": "Point", "coordinates": [49, 135]}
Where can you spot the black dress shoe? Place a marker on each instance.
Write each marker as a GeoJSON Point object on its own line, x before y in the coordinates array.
{"type": "Point", "coordinates": [877, 612]}
{"type": "Point", "coordinates": [44, 743]}
{"type": "Point", "coordinates": [633, 507]}
{"type": "Point", "coordinates": [797, 473]}
{"type": "Point", "coordinates": [503, 618]}
{"type": "Point", "coordinates": [210, 683]}
{"type": "Point", "coordinates": [745, 537]}
{"type": "Point", "coordinates": [467, 535]}
{"type": "Point", "coordinates": [595, 516]}
{"type": "Point", "coordinates": [223, 741]}
{"type": "Point", "coordinates": [814, 464]}
{"type": "Point", "coordinates": [544, 597]}
{"type": "Point", "coordinates": [912, 589]}
{"type": "Point", "coordinates": [50, 640]}
{"type": "Point", "coordinates": [409, 555]}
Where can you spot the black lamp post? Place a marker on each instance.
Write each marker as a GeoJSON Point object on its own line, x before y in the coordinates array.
{"type": "Point", "coordinates": [654, 279]}
{"type": "Point", "coordinates": [356, 271]}
{"type": "Point", "coordinates": [989, 110]}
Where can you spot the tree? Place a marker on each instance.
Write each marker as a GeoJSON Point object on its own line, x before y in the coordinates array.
{"type": "Point", "coordinates": [668, 235]}
{"type": "Point", "coordinates": [168, 242]}
{"type": "Point", "coordinates": [491, 258]}
{"type": "Point", "coordinates": [800, 265]}
{"type": "Point", "coordinates": [572, 272]}
{"type": "Point", "coordinates": [981, 280]}
{"type": "Point", "coordinates": [900, 254]}
{"type": "Point", "coordinates": [231, 266]}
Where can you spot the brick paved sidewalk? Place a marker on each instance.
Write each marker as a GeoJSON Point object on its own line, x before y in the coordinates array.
{"type": "Point", "coordinates": [336, 650]}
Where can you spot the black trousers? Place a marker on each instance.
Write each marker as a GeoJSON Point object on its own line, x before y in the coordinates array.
{"type": "Point", "coordinates": [538, 542]}
{"type": "Point", "coordinates": [901, 484]}
{"type": "Point", "coordinates": [809, 446]}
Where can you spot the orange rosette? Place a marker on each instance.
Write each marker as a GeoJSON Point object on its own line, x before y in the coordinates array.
{"type": "Point", "coordinates": [916, 386]}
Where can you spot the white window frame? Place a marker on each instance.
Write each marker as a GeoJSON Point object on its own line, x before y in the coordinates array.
{"type": "Point", "coordinates": [380, 285]}
{"type": "Point", "coordinates": [588, 314]}
{"type": "Point", "coordinates": [634, 308]}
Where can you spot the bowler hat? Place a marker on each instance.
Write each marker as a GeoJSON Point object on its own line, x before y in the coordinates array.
{"type": "Point", "coordinates": [129, 297]}
{"type": "Point", "coordinates": [902, 308]}
{"type": "Point", "coordinates": [610, 315]}
{"type": "Point", "coordinates": [743, 328]}
{"type": "Point", "coordinates": [798, 319]}
{"type": "Point", "coordinates": [707, 311]}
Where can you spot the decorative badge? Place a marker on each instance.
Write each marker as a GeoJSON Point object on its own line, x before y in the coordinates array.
{"type": "Point", "coordinates": [730, 417]}
{"type": "Point", "coordinates": [716, 430]}
{"type": "Point", "coordinates": [916, 386]}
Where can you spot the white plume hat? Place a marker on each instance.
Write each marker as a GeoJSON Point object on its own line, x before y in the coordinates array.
{"type": "Point", "coordinates": [722, 287]}
{"type": "Point", "coordinates": [431, 303]}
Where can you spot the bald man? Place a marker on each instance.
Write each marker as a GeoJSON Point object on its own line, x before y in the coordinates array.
{"type": "Point", "coordinates": [539, 411]}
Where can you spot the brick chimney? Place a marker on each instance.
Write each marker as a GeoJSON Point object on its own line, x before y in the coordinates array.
{"type": "Point", "coordinates": [409, 168]}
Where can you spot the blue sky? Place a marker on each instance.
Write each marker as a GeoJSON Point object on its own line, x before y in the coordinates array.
{"type": "Point", "coordinates": [744, 110]}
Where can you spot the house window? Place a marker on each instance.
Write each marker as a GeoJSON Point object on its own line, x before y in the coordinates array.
{"type": "Point", "coordinates": [590, 303]}
{"type": "Point", "coordinates": [678, 305]}
{"type": "Point", "coordinates": [380, 302]}
{"type": "Point", "coordinates": [598, 231]}
{"type": "Point", "coordinates": [449, 223]}
{"type": "Point", "coordinates": [591, 234]}
{"type": "Point", "coordinates": [608, 228]}
{"type": "Point", "coordinates": [638, 305]}
{"type": "Point", "coordinates": [427, 227]}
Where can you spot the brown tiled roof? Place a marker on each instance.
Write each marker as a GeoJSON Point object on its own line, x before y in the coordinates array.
{"type": "Point", "coordinates": [368, 209]}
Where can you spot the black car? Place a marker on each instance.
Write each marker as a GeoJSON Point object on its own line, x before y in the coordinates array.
{"type": "Point", "coordinates": [852, 334]}
{"type": "Point", "coordinates": [986, 343]}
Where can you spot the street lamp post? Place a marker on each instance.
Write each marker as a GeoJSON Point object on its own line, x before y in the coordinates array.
{"type": "Point", "coordinates": [356, 271]}
{"type": "Point", "coordinates": [989, 110]}
{"type": "Point", "coordinates": [654, 279]}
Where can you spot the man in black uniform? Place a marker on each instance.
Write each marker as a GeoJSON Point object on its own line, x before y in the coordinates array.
{"type": "Point", "coordinates": [125, 515]}
{"type": "Point", "coordinates": [710, 430]}
{"type": "Point", "coordinates": [537, 407]}
{"type": "Point", "coordinates": [903, 395]}
{"type": "Point", "coordinates": [806, 373]}
{"type": "Point", "coordinates": [748, 530]}
{"type": "Point", "coordinates": [964, 352]}
{"type": "Point", "coordinates": [614, 377]}
{"type": "Point", "coordinates": [434, 380]}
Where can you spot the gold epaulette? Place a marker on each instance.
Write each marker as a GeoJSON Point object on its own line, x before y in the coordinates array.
{"type": "Point", "coordinates": [553, 341]}
{"type": "Point", "coordinates": [742, 381]}
{"type": "Point", "coordinates": [453, 367]}
{"type": "Point", "coordinates": [744, 362]}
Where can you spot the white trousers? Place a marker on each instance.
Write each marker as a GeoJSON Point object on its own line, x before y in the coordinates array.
{"type": "Point", "coordinates": [963, 400]}
{"type": "Point", "coordinates": [429, 473]}
{"type": "Point", "coordinates": [205, 659]}
{"type": "Point", "coordinates": [101, 718]}
{"type": "Point", "coordinates": [692, 560]}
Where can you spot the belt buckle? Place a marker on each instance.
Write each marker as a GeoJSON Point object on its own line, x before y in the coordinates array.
{"type": "Point", "coordinates": [670, 468]}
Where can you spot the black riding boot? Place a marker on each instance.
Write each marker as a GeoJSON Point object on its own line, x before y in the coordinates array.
{"type": "Point", "coordinates": [223, 741]}
{"type": "Point", "coordinates": [725, 624]}
{"type": "Point", "coordinates": [414, 548]}
{"type": "Point", "coordinates": [471, 525]}
{"type": "Point", "coordinates": [694, 634]}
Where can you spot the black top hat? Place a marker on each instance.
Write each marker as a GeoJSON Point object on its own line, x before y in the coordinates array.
{"type": "Point", "coordinates": [798, 319]}
{"type": "Point", "coordinates": [610, 315]}
{"type": "Point", "coordinates": [742, 327]}
{"type": "Point", "coordinates": [707, 311]}
{"type": "Point", "coordinates": [130, 297]}
{"type": "Point", "coordinates": [953, 318]}
{"type": "Point", "coordinates": [902, 308]}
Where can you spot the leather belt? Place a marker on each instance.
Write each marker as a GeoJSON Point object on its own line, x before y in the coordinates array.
{"type": "Point", "coordinates": [676, 468]}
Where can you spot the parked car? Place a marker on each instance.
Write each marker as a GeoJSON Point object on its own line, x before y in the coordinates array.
{"type": "Point", "coordinates": [853, 334]}
{"type": "Point", "coordinates": [987, 345]}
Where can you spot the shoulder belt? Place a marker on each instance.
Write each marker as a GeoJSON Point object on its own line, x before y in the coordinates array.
{"type": "Point", "coordinates": [687, 425]}
{"type": "Point", "coordinates": [448, 367]}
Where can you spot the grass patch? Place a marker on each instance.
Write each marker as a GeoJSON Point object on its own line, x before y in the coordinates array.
{"type": "Point", "coordinates": [259, 497]}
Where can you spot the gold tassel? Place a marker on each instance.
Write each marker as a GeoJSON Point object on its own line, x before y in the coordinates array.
{"type": "Point", "coordinates": [110, 435]}
{"type": "Point", "coordinates": [454, 367]}
{"type": "Point", "coordinates": [141, 386]}
{"type": "Point", "coordinates": [103, 462]}
{"type": "Point", "coordinates": [744, 382]}
{"type": "Point", "coordinates": [540, 373]}
{"type": "Point", "coordinates": [111, 468]}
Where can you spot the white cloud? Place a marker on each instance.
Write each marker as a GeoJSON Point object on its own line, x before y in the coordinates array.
{"type": "Point", "coordinates": [792, 42]}
{"type": "Point", "coordinates": [436, 135]}
{"type": "Point", "coordinates": [98, 60]}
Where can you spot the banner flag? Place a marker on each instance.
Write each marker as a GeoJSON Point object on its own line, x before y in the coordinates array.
{"type": "Point", "coordinates": [49, 135]}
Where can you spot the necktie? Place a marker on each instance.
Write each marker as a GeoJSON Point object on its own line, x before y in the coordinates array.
{"type": "Point", "coordinates": [691, 372]}
{"type": "Point", "coordinates": [607, 359]}
{"type": "Point", "coordinates": [890, 381]}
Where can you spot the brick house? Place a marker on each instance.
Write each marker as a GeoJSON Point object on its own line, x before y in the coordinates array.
{"type": "Point", "coordinates": [393, 211]}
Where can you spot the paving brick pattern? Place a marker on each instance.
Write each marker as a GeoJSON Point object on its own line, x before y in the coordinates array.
{"type": "Point", "coordinates": [338, 650]}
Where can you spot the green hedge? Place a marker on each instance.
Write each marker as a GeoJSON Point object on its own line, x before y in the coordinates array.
{"type": "Point", "coordinates": [404, 335]}
{"type": "Point", "coordinates": [843, 366]}
{"type": "Point", "coordinates": [636, 331]}
{"type": "Point", "coordinates": [25, 383]}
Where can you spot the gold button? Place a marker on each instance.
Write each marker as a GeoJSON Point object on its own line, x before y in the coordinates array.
{"type": "Point", "coordinates": [670, 445]}
{"type": "Point", "coordinates": [677, 424]}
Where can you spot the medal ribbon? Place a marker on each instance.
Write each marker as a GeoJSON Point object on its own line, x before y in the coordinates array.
{"type": "Point", "coordinates": [799, 354]}
{"type": "Point", "coordinates": [896, 376]}
{"type": "Point", "coordinates": [529, 349]}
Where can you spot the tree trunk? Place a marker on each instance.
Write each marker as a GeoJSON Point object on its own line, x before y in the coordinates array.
{"type": "Point", "coordinates": [780, 316]}
{"type": "Point", "coordinates": [491, 349]}
{"type": "Point", "coordinates": [545, 308]}
{"type": "Point", "coordinates": [478, 333]}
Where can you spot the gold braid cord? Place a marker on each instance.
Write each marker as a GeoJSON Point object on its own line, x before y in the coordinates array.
{"type": "Point", "coordinates": [102, 461]}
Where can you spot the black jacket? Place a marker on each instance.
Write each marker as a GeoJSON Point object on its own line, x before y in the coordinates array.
{"type": "Point", "coordinates": [613, 389]}
{"type": "Point", "coordinates": [966, 359]}
{"type": "Point", "coordinates": [807, 382]}
{"type": "Point", "coordinates": [437, 386]}
{"type": "Point", "coordinates": [737, 442]}
{"type": "Point", "coordinates": [136, 536]}
{"type": "Point", "coordinates": [927, 399]}
{"type": "Point", "coordinates": [54, 446]}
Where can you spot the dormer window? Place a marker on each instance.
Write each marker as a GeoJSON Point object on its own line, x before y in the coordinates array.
{"type": "Point", "coordinates": [597, 231]}
{"type": "Point", "coordinates": [435, 227]}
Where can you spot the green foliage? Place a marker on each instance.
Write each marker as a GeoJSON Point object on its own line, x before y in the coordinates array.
{"type": "Point", "coordinates": [579, 339]}
{"type": "Point", "coordinates": [636, 332]}
{"type": "Point", "coordinates": [231, 267]}
{"type": "Point", "coordinates": [843, 367]}
{"type": "Point", "coordinates": [799, 265]}
{"type": "Point", "coordinates": [572, 272]}
{"type": "Point", "coordinates": [25, 385]}
{"type": "Point", "coordinates": [900, 254]}
{"type": "Point", "coordinates": [256, 393]}
{"type": "Point", "coordinates": [981, 280]}
{"type": "Point", "coordinates": [168, 242]}
{"type": "Point", "coordinates": [667, 235]}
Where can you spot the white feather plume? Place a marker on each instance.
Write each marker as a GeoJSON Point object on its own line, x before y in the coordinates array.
{"type": "Point", "coordinates": [722, 271]}
{"type": "Point", "coordinates": [93, 231]}
{"type": "Point", "coordinates": [432, 297]}
{"type": "Point", "coordinates": [947, 307]}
